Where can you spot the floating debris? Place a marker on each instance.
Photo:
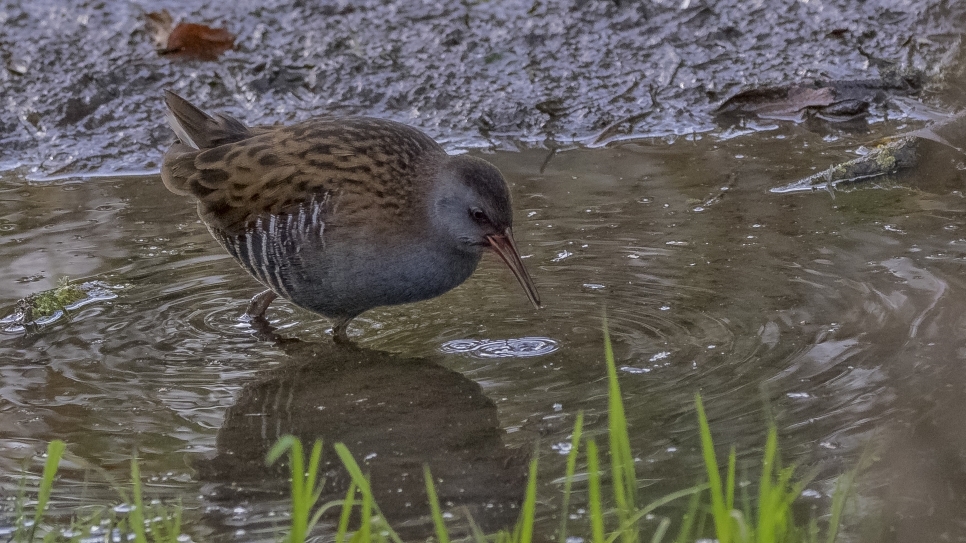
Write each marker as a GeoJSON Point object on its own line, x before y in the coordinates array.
{"type": "Point", "coordinates": [891, 156]}
{"type": "Point", "coordinates": [50, 305]}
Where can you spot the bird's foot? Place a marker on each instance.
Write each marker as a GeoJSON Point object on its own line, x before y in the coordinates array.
{"type": "Point", "coordinates": [340, 332]}
{"type": "Point", "coordinates": [258, 305]}
{"type": "Point", "coordinates": [262, 329]}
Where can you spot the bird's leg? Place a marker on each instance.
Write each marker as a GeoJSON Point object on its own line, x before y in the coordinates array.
{"type": "Point", "coordinates": [259, 304]}
{"type": "Point", "coordinates": [340, 332]}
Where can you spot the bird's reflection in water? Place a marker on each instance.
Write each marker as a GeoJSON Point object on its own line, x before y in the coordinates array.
{"type": "Point", "coordinates": [395, 414]}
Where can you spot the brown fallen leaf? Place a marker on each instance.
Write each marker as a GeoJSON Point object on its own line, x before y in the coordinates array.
{"type": "Point", "coordinates": [187, 40]}
{"type": "Point", "coordinates": [200, 42]}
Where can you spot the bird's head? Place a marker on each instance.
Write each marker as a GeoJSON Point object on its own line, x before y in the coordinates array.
{"type": "Point", "coordinates": [473, 212]}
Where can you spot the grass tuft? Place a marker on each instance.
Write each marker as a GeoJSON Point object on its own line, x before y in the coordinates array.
{"type": "Point", "coordinates": [305, 486]}
{"type": "Point", "coordinates": [442, 534]}
{"type": "Point", "coordinates": [55, 451]}
{"type": "Point", "coordinates": [771, 518]}
{"type": "Point", "coordinates": [569, 476]}
{"type": "Point", "coordinates": [140, 523]}
{"type": "Point", "coordinates": [765, 516]}
{"type": "Point", "coordinates": [623, 475]}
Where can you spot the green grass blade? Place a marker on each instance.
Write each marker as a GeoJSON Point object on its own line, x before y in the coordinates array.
{"type": "Point", "coordinates": [649, 508]}
{"type": "Point", "coordinates": [730, 481]}
{"type": "Point", "coordinates": [843, 488]}
{"type": "Point", "coordinates": [720, 513]}
{"type": "Point", "coordinates": [312, 489]}
{"type": "Point", "coordinates": [347, 504]}
{"type": "Point", "coordinates": [661, 530]}
{"type": "Point", "coordinates": [55, 451]}
{"type": "Point", "coordinates": [569, 479]}
{"type": "Point", "coordinates": [624, 477]}
{"type": "Point", "coordinates": [353, 468]}
{"type": "Point", "coordinates": [304, 487]}
{"type": "Point", "coordinates": [813, 531]}
{"type": "Point", "coordinates": [442, 534]}
{"type": "Point", "coordinates": [136, 518]}
{"type": "Point", "coordinates": [743, 533]}
{"type": "Point", "coordinates": [686, 533]}
{"type": "Point", "coordinates": [746, 505]}
{"type": "Point", "coordinates": [766, 507]}
{"type": "Point", "coordinates": [702, 522]}
{"type": "Point", "coordinates": [595, 502]}
{"type": "Point", "coordinates": [313, 470]}
{"type": "Point", "coordinates": [365, 518]}
{"type": "Point", "coordinates": [843, 491]}
{"type": "Point", "coordinates": [528, 511]}
{"type": "Point", "coordinates": [20, 508]}
{"type": "Point", "coordinates": [171, 523]}
{"type": "Point", "coordinates": [281, 446]}
{"type": "Point", "coordinates": [161, 524]}
{"type": "Point", "coordinates": [355, 472]}
{"type": "Point", "coordinates": [176, 529]}
{"type": "Point", "coordinates": [326, 507]}
{"type": "Point", "coordinates": [477, 534]}
{"type": "Point", "coordinates": [299, 514]}
{"type": "Point", "coordinates": [320, 510]}
{"type": "Point", "coordinates": [20, 514]}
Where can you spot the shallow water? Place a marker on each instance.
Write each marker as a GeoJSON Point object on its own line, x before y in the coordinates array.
{"type": "Point", "coordinates": [841, 314]}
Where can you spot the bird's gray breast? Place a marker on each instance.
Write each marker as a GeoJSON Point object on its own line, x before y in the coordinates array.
{"type": "Point", "coordinates": [354, 274]}
{"type": "Point", "coordinates": [344, 271]}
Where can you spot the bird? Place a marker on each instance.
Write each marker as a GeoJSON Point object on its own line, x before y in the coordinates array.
{"type": "Point", "coordinates": [340, 214]}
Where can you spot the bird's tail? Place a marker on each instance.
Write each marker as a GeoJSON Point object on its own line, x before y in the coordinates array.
{"type": "Point", "coordinates": [199, 130]}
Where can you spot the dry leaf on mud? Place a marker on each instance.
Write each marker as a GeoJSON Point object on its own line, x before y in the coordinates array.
{"type": "Point", "coordinates": [187, 40]}
{"type": "Point", "coordinates": [777, 102]}
{"type": "Point", "coordinates": [834, 101]}
{"type": "Point", "coordinates": [791, 103]}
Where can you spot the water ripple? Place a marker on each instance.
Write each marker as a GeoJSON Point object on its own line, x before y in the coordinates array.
{"type": "Point", "coordinates": [523, 347]}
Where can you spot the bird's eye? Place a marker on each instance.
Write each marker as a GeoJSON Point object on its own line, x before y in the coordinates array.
{"type": "Point", "coordinates": [478, 215]}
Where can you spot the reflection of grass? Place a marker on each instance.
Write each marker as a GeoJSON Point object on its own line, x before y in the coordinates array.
{"type": "Point", "coordinates": [136, 522]}
{"type": "Point", "coordinates": [764, 518]}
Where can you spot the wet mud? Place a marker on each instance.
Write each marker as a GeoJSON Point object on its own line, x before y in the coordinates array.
{"type": "Point", "coordinates": [82, 83]}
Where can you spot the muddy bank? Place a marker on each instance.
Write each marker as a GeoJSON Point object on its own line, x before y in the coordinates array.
{"type": "Point", "coordinates": [82, 82]}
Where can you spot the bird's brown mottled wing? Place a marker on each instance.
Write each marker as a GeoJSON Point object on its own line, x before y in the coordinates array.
{"type": "Point", "coordinates": [368, 170]}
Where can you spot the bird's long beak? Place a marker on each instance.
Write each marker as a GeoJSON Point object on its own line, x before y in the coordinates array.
{"type": "Point", "coordinates": [504, 246]}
